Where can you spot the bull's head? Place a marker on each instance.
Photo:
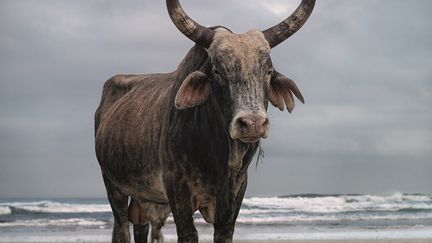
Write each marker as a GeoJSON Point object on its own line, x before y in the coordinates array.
{"type": "Point", "coordinates": [240, 68]}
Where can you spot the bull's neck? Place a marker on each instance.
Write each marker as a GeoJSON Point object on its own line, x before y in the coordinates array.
{"type": "Point", "coordinates": [200, 134]}
{"type": "Point", "coordinates": [193, 61]}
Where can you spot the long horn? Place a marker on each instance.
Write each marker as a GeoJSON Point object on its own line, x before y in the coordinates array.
{"type": "Point", "coordinates": [191, 29]}
{"type": "Point", "coordinates": [279, 33]}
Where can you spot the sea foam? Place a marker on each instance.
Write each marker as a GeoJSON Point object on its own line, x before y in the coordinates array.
{"type": "Point", "coordinates": [396, 209]}
{"type": "Point", "coordinates": [54, 222]}
{"type": "Point", "coordinates": [4, 210]}
{"type": "Point", "coordinates": [52, 207]}
{"type": "Point", "coordinates": [340, 204]}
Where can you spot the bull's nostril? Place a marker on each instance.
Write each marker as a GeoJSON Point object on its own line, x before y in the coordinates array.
{"type": "Point", "coordinates": [243, 123]}
{"type": "Point", "coordinates": [250, 127]}
{"type": "Point", "coordinates": [250, 122]}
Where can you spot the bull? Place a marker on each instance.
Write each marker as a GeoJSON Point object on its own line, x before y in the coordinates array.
{"type": "Point", "coordinates": [182, 141]}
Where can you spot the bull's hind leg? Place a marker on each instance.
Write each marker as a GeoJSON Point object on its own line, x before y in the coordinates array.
{"type": "Point", "coordinates": [119, 206]}
{"type": "Point", "coordinates": [141, 232]}
{"type": "Point", "coordinates": [156, 233]}
{"type": "Point", "coordinates": [141, 214]}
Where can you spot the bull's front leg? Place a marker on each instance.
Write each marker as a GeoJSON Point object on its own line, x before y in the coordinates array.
{"type": "Point", "coordinates": [179, 197]}
{"type": "Point", "coordinates": [227, 209]}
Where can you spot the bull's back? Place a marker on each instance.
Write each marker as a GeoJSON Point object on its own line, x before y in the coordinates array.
{"type": "Point", "coordinates": [128, 125]}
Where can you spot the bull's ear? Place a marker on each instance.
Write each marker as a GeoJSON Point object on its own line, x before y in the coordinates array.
{"type": "Point", "coordinates": [281, 92]}
{"type": "Point", "coordinates": [194, 91]}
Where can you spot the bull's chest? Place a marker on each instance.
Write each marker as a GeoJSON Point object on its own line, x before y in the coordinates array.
{"type": "Point", "coordinates": [204, 199]}
{"type": "Point", "coordinates": [204, 196]}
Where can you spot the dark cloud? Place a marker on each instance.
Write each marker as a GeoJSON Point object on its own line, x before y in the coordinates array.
{"type": "Point", "coordinates": [363, 66]}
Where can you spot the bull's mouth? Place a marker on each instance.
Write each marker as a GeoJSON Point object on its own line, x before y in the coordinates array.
{"type": "Point", "coordinates": [250, 139]}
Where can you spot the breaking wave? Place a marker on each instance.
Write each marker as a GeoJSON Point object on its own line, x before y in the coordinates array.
{"type": "Point", "coordinates": [339, 203]}
{"type": "Point", "coordinates": [295, 209]}
{"type": "Point", "coordinates": [51, 207]}
{"type": "Point", "coordinates": [322, 208]}
{"type": "Point", "coordinates": [5, 210]}
{"type": "Point", "coordinates": [55, 222]}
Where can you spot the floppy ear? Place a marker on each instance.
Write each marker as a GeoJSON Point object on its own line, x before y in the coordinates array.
{"type": "Point", "coordinates": [194, 91]}
{"type": "Point", "coordinates": [281, 92]}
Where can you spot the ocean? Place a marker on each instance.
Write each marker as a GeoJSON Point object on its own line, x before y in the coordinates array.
{"type": "Point", "coordinates": [306, 216]}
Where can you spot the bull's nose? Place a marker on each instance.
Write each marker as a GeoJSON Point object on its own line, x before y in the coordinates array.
{"type": "Point", "coordinates": [250, 127]}
{"type": "Point", "coordinates": [252, 121]}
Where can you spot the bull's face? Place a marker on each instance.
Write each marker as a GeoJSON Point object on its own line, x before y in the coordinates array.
{"type": "Point", "coordinates": [240, 69]}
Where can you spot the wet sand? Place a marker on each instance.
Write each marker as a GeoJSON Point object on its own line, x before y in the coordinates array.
{"type": "Point", "coordinates": [334, 241]}
{"type": "Point", "coordinates": [294, 241]}
{"type": "Point", "coordinates": [306, 241]}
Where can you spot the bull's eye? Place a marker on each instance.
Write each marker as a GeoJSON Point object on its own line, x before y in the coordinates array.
{"type": "Point", "coordinates": [216, 71]}
{"type": "Point", "coordinates": [270, 71]}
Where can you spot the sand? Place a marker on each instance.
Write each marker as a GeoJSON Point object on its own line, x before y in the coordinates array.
{"type": "Point", "coordinates": [305, 241]}
{"type": "Point", "coordinates": [335, 241]}
{"type": "Point", "coordinates": [319, 241]}
{"type": "Point", "coordinates": [339, 241]}
{"type": "Point", "coordinates": [290, 241]}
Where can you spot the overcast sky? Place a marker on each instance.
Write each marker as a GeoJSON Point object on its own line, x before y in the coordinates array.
{"type": "Point", "coordinates": [364, 67]}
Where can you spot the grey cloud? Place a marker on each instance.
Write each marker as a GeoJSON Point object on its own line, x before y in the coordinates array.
{"type": "Point", "coordinates": [363, 66]}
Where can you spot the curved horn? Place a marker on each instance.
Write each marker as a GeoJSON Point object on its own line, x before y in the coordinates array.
{"type": "Point", "coordinates": [191, 29]}
{"type": "Point", "coordinates": [279, 33]}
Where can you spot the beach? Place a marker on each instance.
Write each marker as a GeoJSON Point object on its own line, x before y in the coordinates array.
{"type": "Point", "coordinates": [335, 241]}
{"type": "Point", "coordinates": [295, 241]}
{"type": "Point", "coordinates": [307, 218]}
{"type": "Point", "coordinates": [275, 236]}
